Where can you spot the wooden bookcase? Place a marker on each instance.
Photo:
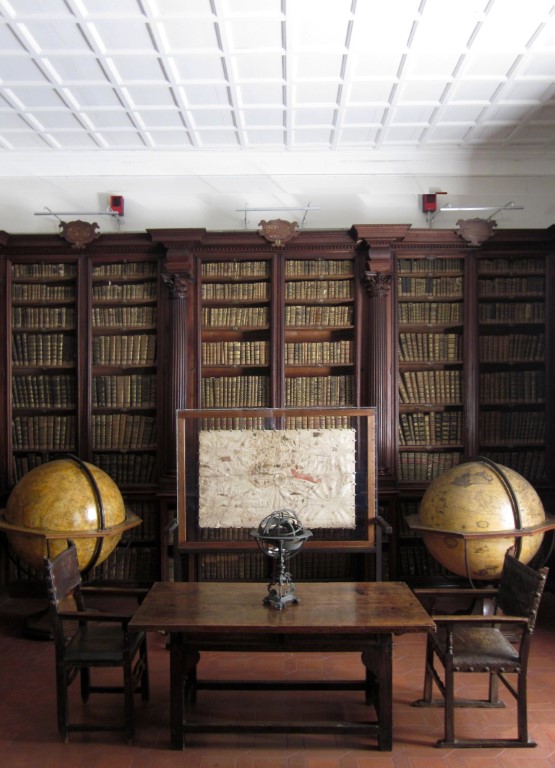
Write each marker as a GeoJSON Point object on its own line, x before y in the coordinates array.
{"type": "Point", "coordinates": [452, 343]}
{"type": "Point", "coordinates": [83, 367]}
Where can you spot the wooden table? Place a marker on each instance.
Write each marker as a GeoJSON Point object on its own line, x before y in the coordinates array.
{"type": "Point", "coordinates": [331, 617]}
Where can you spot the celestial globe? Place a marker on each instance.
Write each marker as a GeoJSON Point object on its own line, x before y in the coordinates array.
{"type": "Point", "coordinates": [472, 513]}
{"type": "Point", "coordinates": [65, 499]}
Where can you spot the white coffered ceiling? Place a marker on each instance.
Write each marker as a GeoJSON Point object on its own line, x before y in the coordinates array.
{"type": "Point", "coordinates": [254, 98]}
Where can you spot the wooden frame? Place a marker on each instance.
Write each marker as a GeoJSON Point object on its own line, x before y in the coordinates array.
{"type": "Point", "coordinates": [191, 421]}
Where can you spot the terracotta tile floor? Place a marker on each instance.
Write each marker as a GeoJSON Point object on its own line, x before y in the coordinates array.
{"type": "Point", "coordinates": [28, 735]}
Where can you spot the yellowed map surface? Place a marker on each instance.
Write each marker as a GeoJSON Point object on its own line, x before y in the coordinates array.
{"type": "Point", "coordinates": [244, 476]}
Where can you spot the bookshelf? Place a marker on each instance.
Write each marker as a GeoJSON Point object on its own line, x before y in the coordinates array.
{"type": "Point", "coordinates": [451, 343]}
{"type": "Point", "coordinates": [81, 351]}
{"type": "Point", "coordinates": [430, 317]}
{"type": "Point", "coordinates": [319, 332]}
{"type": "Point", "coordinates": [512, 316]}
{"type": "Point", "coordinates": [44, 361]}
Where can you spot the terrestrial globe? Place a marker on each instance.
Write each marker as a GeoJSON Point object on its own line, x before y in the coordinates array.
{"type": "Point", "coordinates": [65, 499]}
{"type": "Point", "coordinates": [472, 513]}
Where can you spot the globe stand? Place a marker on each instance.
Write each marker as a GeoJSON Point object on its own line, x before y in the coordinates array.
{"type": "Point", "coordinates": [280, 536]}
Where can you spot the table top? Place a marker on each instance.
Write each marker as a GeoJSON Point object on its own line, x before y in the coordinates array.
{"type": "Point", "coordinates": [234, 607]}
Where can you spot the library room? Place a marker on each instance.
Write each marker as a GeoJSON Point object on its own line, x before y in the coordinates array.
{"type": "Point", "coordinates": [277, 391]}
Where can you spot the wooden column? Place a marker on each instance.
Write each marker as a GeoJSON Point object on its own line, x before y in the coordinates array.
{"type": "Point", "coordinates": [177, 286]}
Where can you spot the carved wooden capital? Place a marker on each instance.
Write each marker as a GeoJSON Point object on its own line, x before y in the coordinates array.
{"type": "Point", "coordinates": [177, 285]}
{"type": "Point", "coordinates": [377, 284]}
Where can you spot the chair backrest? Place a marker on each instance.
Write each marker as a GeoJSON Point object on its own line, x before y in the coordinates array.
{"type": "Point", "coordinates": [63, 578]}
{"type": "Point", "coordinates": [520, 589]}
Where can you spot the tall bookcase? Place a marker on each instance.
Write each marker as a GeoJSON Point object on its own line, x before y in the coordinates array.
{"type": "Point", "coordinates": [83, 366]}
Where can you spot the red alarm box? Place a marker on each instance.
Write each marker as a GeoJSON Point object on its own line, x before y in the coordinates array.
{"type": "Point", "coordinates": [116, 204]}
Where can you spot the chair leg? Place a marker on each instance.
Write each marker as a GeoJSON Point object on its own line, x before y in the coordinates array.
{"type": "Point", "coordinates": [128, 697]}
{"type": "Point", "coordinates": [493, 698]}
{"type": "Point", "coordinates": [62, 684]}
{"type": "Point", "coordinates": [449, 712]}
{"type": "Point", "coordinates": [522, 707]}
{"type": "Point", "coordinates": [426, 699]}
{"type": "Point", "coordinates": [85, 679]}
{"type": "Point", "coordinates": [145, 684]}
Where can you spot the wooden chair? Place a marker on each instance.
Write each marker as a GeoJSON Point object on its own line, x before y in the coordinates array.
{"type": "Point", "coordinates": [92, 638]}
{"type": "Point", "coordinates": [476, 643]}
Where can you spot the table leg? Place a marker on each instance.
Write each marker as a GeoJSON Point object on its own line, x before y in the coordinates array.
{"type": "Point", "coordinates": [176, 690]}
{"type": "Point", "coordinates": [379, 686]}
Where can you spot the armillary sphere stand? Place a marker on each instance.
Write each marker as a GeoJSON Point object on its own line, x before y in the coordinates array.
{"type": "Point", "coordinates": [281, 536]}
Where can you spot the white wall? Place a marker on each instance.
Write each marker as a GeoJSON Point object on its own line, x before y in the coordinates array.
{"type": "Point", "coordinates": [205, 189]}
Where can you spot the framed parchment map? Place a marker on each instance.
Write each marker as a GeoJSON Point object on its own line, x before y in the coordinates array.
{"type": "Point", "coordinates": [309, 471]}
{"type": "Point", "coordinates": [235, 466]}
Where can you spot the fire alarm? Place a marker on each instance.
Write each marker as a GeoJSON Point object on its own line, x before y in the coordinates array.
{"type": "Point", "coordinates": [429, 203]}
{"type": "Point", "coordinates": [116, 204]}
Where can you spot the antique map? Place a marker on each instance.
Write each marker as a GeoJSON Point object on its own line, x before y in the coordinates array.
{"type": "Point", "coordinates": [246, 475]}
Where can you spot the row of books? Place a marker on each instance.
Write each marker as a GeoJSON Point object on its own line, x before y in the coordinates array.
{"type": "Point", "coordinates": [149, 513]}
{"type": "Point", "coordinates": [424, 466]}
{"type": "Point", "coordinates": [236, 269]}
{"type": "Point", "coordinates": [235, 391]}
{"type": "Point", "coordinates": [235, 291]}
{"type": "Point", "coordinates": [235, 317]}
{"type": "Point", "coordinates": [125, 269]}
{"type": "Point", "coordinates": [440, 428]}
{"type": "Point", "coordinates": [134, 349]}
{"type": "Point", "coordinates": [511, 312]}
{"type": "Point", "coordinates": [416, 562]}
{"type": "Point", "coordinates": [44, 432]}
{"type": "Point", "coordinates": [45, 391]}
{"type": "Point", "coordinates": [299, 316]}
{"type": "Point", "coordinates": [23, 464]}
{"type": "Point", "coordinates": [430, 313]}
{"type": "Point", "coordinates": [236, 353]}
{"type": "Point", "coordinates": [513, 346]}
{"type": "Point", "coordinates": [43, 349]}
{"type": "Point", "coordinates": [512, 426]}
{"type": "Point", "coordinates": [319, 353]}
{"type": "Point", "coordinates": [44, 270]}
{"type": "Point", "coordinates": [429, 265]}
{"type": "Point", "coordinates": [320, 390]}
{"type": "Point", "coordinates": [128, 468]}
{"type": "Point", "coordinates": [530, 464]}
{"type": "Point", "coordinates": [123, 431]}
{"type": "Point", "coordinates": [319, 290]}
{"type": "Point", "coordinates": [228, 566]}
{"type": "Point", "coordinates": [511, 286]}
{"type": "Point", "coordinates": [431, 286]}
{"type": "Point", "coordinates": [42, 292]}
{"type": "Point", "coordinates": [43, 317]}
{"type": "Point", "coordinates": [127, 391]}
{"type": "Point", "coordinates": [430, 347]}
{"type": "Point", "coordinates": [129, 563]}
{"type": "Point", "coordinates": [125, 291]}
{"type": "Point", "coordinates": [317, 267]}
{"type": "Point", "coordinates": [512, 387]}
{"type": "Point", "coordinates": [430, 387]}
{"type": "Point", "coordinates": [126, 316]}
{"type": "Point", "coordinates": [507, 266]}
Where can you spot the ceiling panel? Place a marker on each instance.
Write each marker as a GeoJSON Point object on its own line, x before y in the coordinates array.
{"type": "Point", "coordinates": [268, 76]}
